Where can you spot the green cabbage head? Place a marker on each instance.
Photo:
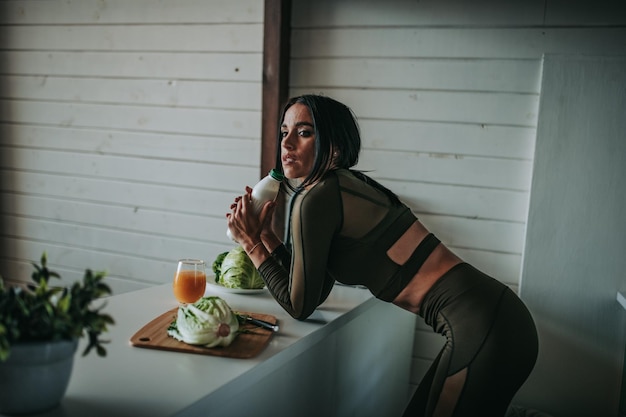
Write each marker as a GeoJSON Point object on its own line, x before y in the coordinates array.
{"type": "Point", "coordinates": [238, 271]}
{"type": "Point", "coordinates": [208, 322]}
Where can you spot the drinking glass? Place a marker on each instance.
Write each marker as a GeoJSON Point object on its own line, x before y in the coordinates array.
{"type": "Point", "coordinates": [189, 280]}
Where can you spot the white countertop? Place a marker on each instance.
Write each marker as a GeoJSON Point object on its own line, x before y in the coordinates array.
{"type": "Point", "coordinates": [133, 381]}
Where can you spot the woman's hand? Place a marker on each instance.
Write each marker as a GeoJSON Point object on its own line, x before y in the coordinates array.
{"type": "Point", "coordinates": [242, 222]}
{"type": "Point", "coordinates": [246, 226]}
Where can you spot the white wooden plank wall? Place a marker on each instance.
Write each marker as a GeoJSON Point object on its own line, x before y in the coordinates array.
{"type": "Point", "coordinates": [447, 95]}
{"type": "Point", "coordinates": [127, 127]}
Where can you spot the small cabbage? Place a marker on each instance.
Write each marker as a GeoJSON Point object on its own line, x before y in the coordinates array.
{"type": "Point", "coordinates": [238, 271]}
{"type": "Point", "coordinates": [208, 322]}
{"type": "Point", "coordinates": [217, 265]}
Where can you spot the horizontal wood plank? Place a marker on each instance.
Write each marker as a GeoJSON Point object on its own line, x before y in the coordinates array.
{"type": "Point", "coordinates": [179, 37]}
{"type": "Point", "coordinates": [513, 75]}
{"type": "Point", "coordinates": [480, 108]}
{"type": "Point", "coordinates": [462, 201]}
{"type": "Point", "coordinates": [125, 272]}
{"type": "Point", "coordinates": [192, 148]}
{"type": "Point", "coordinates": [454, 42]}
{"type": "Point", "coordinates": [123, 11]}
{"type": "Point", "coordinates": [166, 92]}
{"type": "Point", "coordinates": [131, 196]}
{"type": "Point", "coordinates": [178, 219]}
{"type": "Point", "coordinates": [142, 64]}
{"type": "Point", "coordinates": [147, 171]}
{"type": "Point", "coordinates": [513, 142]}
{"type": "Point", "coordinates": [162, 251]}
{"type": "Point", "coordinates": [447, 169]}
{"type": "Point", "coordinates": [186, 121]}
{"type": "Point", "coordinates": [373, 13]}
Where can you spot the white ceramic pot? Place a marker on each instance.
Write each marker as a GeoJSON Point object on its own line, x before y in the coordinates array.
{"type": "Point", "coordinates": [35, 376]}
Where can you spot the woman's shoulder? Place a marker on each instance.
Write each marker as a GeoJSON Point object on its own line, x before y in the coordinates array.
{"type": "Point", "coordinates": [328, 184]}
{"type": "Point", "coordinates": [326, 191]}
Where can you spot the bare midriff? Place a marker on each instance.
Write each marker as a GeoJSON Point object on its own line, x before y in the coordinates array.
{"type": "Point", "coordinates": [440, 261]}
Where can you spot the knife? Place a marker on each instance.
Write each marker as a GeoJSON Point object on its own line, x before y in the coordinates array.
{"type": "Point", "coordinates": [262, 323]}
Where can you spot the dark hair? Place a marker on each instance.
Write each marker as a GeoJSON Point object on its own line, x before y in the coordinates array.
{"type": "Point", "coordinates": [336, 130]}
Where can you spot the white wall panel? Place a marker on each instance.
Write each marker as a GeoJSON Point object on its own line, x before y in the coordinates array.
{"type": "Point", "coordinates": [512, 75]}
{"type": "Point", "coordinates": [451, 42]}
{"type": "Point", "coordinates": [431, 13]}
{"type": "Point", "coordinates": [167, 65]}
{"type": "Point", "coordinates": [198, 121]}
{"type": "Point", "coordinates": [513, 142]}
{"type": "Point", "coordinates": [126, 129]}
{"type": "Point", "coordinates": [174, 146]}
{"type": "Point", "coordinates": [133, 12]}
{"type": "Point", "coordinates": [447, 169]}
{"type": "Point", "coordinates": [437, 106]}
{"type": "Point", "coordinates": [157, 92]}
{"type": "Point", "coordinates": [218, 37]}
{"type": "Point", "coordinates": [129, 194]}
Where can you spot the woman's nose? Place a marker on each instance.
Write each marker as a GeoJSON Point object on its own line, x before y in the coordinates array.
{"type": "Point", "coordinates": [287, 141]}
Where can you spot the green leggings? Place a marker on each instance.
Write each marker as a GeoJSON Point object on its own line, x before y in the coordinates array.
{"type": "Point", "coordinates": [491, 347]}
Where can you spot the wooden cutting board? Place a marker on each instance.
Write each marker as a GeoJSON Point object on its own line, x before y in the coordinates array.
{"type": "Point", "coordinates": [246, 345]}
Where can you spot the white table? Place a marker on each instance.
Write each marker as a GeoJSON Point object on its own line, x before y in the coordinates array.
{"type": "Point", "coordinates": [352, 357]}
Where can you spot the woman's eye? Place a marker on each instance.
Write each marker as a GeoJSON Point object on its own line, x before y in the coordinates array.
{"type": "Point", "coordinates": [283, 134]}
{"type": "Point", "coordinates": [305, 133]}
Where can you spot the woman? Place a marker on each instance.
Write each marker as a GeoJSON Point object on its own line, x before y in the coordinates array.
{"type": "Point", "coordinates": [342, 225]}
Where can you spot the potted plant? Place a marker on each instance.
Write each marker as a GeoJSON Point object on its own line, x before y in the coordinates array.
{"type": "Point", "coordinates": [40, 325]}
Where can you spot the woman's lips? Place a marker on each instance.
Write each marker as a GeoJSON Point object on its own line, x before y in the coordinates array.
{"type": "Point", "coordinates": [288, 159]}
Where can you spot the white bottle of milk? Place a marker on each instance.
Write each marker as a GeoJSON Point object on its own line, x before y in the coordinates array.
{"type": "Point", "coordinates": [264, 191]}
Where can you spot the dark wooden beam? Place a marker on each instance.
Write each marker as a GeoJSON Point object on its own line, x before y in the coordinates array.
{"type": "Point", "coordinates": [276, 45]}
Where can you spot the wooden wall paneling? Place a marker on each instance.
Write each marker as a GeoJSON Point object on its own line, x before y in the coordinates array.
{"type": "Point", "coordinates": [176, 173]}
{"type": "Point", "coordinates": [126, 129]}
{"type": "Point", "coordinates": [137, 11]}
{"type": "Point", "coordinates": [197, 148]}
{"type": "Point", "coordinates": [125, 271]}
{"type": "Point", "coordinates": [225, 95]}
{"type": "Point", "coordinates": [122, 218]}
{"type": "Point", "coordinates": [443, 74]}
{"type": "Point", "coordinates": [448, 169]}
{"type": "Point", "coordinates": [443, 42]}
{"type": "Point", "coordinates": [439, 106]}
{"type": "Point", "coordinates": [204, 37]}
{"type": "Point", "coordinates": [471, 139]}
{"type": "Point", "coordinates": [147, 65]}
{"type": "Point", "coordinates": [478, 202]}
{"type": "Point", "coordinates": [134, 195]}
{"type": "Point", "coordinates": [372, 13]}
{"type": "Point", "coordinates": [241, 123]}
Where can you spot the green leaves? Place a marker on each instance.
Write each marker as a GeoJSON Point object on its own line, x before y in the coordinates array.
{"type": "Point", "coordinates": [43, 312]}
{"type": "Point", "coordinates": [217, 265]}
{"type": "Point", "coordinates": [238, 271]}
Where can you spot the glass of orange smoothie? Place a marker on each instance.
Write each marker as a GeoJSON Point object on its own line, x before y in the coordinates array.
{"type": "Point", "coordinates": [189, 280]}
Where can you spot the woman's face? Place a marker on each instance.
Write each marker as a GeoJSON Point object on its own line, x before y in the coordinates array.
{"type": "Point", "coordinates": [298, 142]}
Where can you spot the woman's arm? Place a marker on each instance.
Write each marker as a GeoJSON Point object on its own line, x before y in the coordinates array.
{"type": "Point", "coordinates": [296, 278]}
{"type": "Point", "coordinates": [300, 282]}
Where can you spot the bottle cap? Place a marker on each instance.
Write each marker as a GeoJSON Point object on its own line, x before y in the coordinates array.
{"type": "Point", "coordinates": [276, 175]}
